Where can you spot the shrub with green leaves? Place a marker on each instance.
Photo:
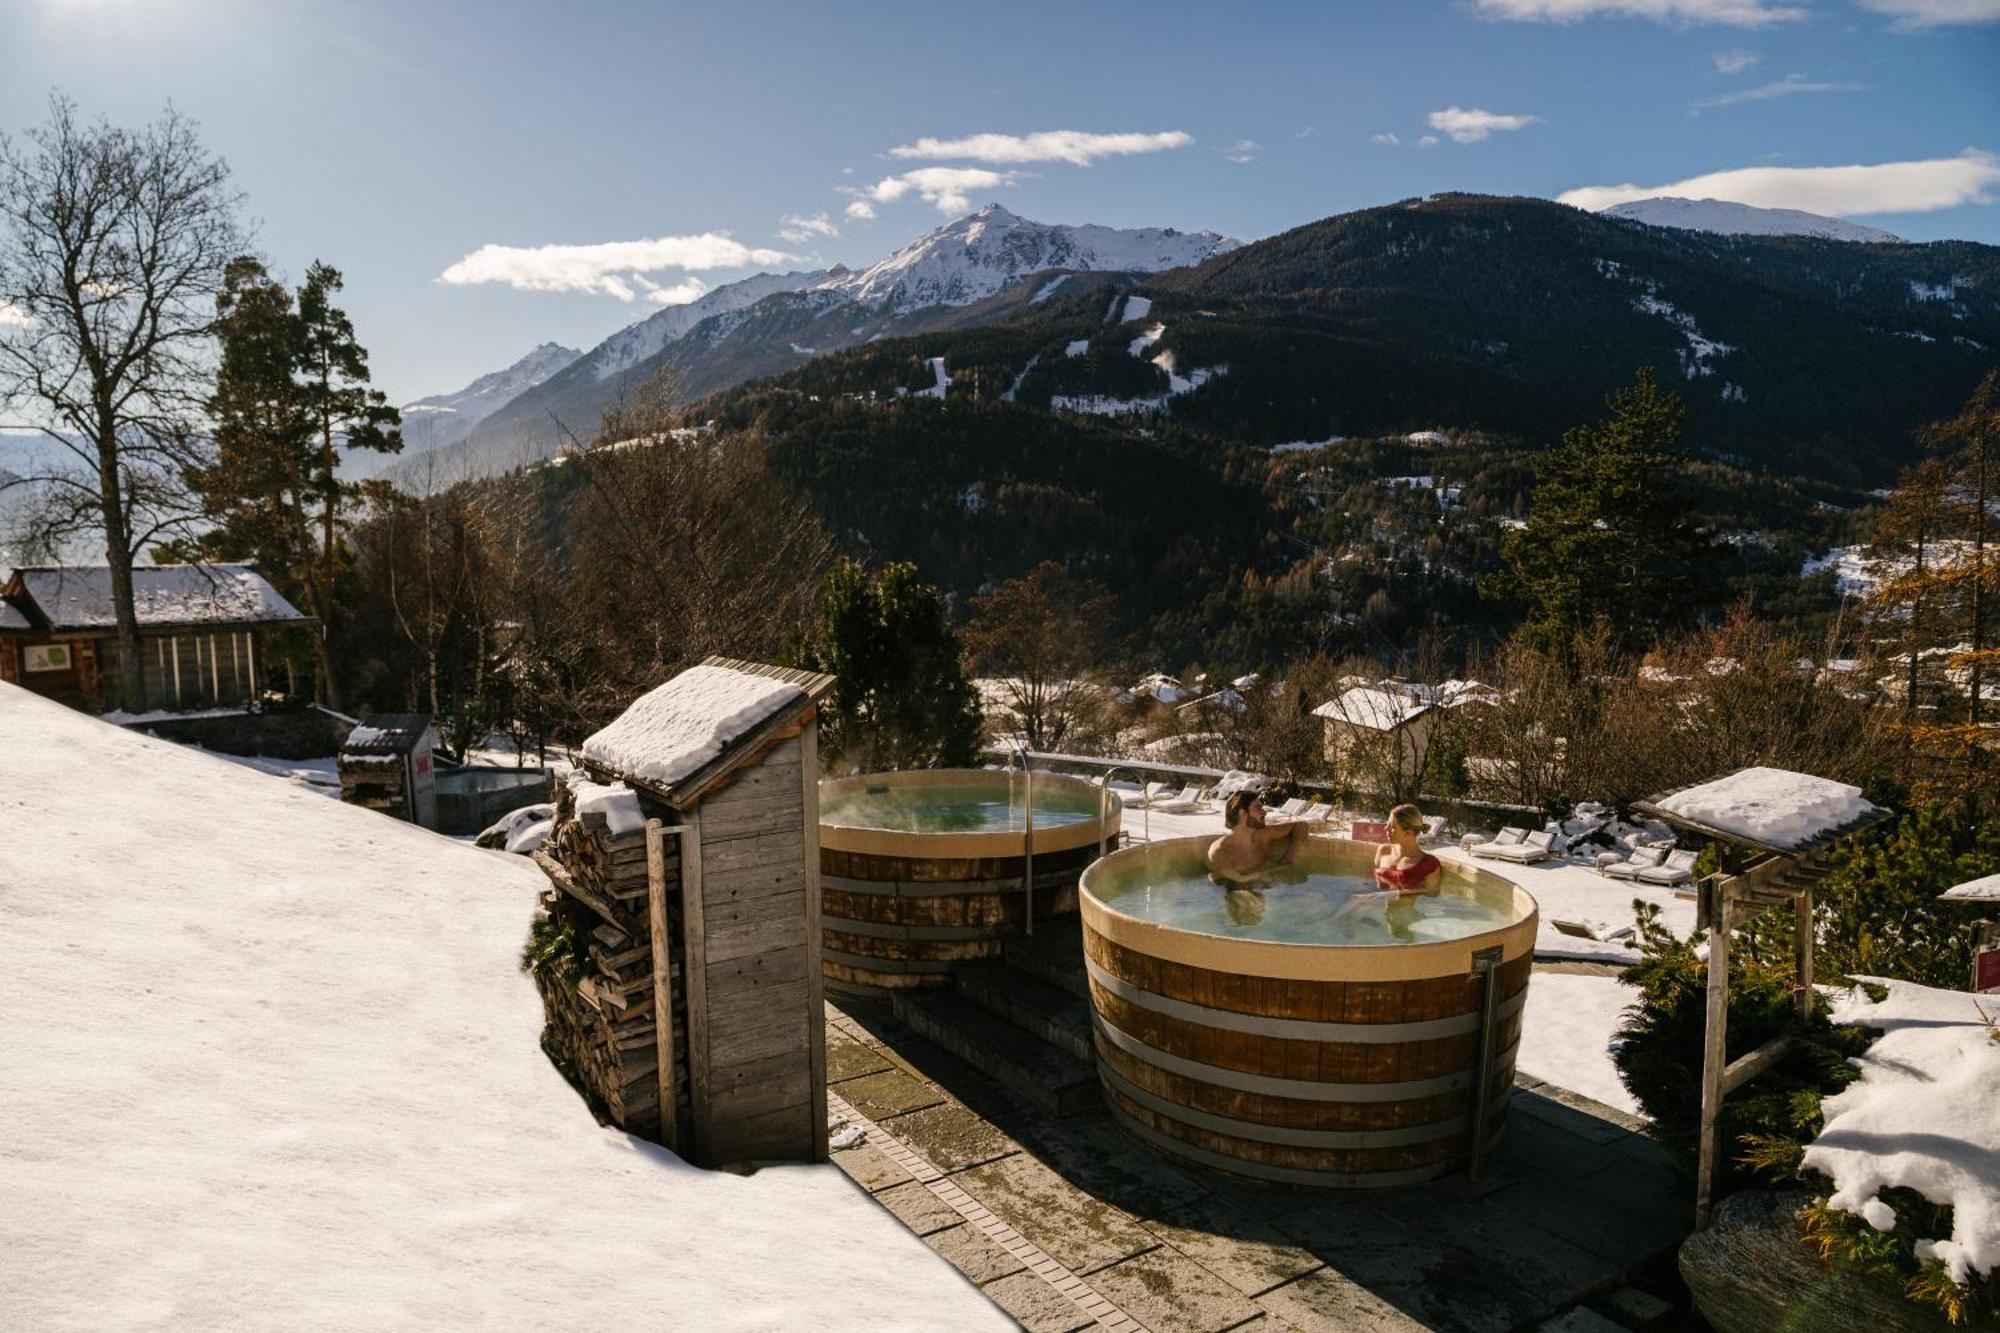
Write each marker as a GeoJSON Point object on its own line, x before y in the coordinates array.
{"type": "Point", "coordinates": [1877, 913]}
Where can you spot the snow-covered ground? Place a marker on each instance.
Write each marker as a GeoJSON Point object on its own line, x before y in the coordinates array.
{"type": "Point", "coordinates": [315, 775]}
{"type": "Point", "coordinates": [1925, 1115]}
{"type": "Point", "coordinates": [270, 1063]}
{"type": "Point", "coordinates": [1569, 1030]}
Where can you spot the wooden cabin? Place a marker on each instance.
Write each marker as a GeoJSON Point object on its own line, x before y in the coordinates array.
{"type": "Point", "coordinates": [202, 634]}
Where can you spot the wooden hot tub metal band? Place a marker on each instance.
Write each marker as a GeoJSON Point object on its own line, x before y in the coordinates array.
{"type": "Point", "coordinates": [1308, 1078]}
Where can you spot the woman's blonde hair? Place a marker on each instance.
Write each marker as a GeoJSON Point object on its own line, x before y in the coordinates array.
{"type": "Point", "coordinates": [1407, 817]}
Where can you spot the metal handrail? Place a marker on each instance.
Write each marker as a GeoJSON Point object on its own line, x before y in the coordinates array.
{"type": "Point", "coordinates": [1028, 836]}
{"type": "Point", "coordinates": [1104, 787]}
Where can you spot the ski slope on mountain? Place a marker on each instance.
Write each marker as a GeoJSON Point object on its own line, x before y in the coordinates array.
{"type": "Point", "coordinates": [271, 1064]}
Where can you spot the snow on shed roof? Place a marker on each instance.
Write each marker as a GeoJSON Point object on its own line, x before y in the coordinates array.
{"type": "Point", "coordinates": [79, 596]}
{"type": "Point", "coordinates": [1372, 707]}
{"type": "Point", "coordinates": [673, 732]}
{"type": "Point", "coordinates": [1772, 807]}
{"type": "Point", "coordinates": [12, 617]}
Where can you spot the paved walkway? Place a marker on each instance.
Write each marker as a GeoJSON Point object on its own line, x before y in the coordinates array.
{"type": "Point", "coordinates": [1067, 1224]}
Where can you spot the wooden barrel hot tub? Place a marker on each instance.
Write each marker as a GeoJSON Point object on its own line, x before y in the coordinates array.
{"type": "Point", "coordinates": [1333, 1064]}
{"type": "Point", "coordinates": [920, 870]}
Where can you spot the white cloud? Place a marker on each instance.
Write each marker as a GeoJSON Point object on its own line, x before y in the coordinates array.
{"type": "Point", "coordinates": [1387, 140]}
{"type": "Point", "coordinates": [13, 317]}
{"type": "Point", "coordinates": [1309, 132]}
{"type": "Point", "coordinates": [1788, 86]}
{"type": "Point", "coordinates": [946, 189]}
{"type": "Point", "coordinates": [1242, 151]}
{"type": "Point", "coordinates": [1687, 13]}
{"type": "Point", "coordinates": [1916, 14]}
{"type": "Point", "coordinates": [612, 268]}
{"type": "Point", "coordinates": [680, 293]}
{"type": "Point", "coordinates": [1885, 187]}
{"type": "Point", "coordinates": [860, 210]}
{"type": "Point", "coordinates": [1429, 141]}
{"type": "Point", "coordinates": [1077, 147]}
{"type": "Point", "coordinates": [1471, 125]}
{"type": "Point", "coordinates": [1735, 62]}
{"type": "Point", "coordinates": [801, 230]}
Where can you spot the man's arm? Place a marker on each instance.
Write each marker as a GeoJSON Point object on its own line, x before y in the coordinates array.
{"type": "Point", "coordinates": [1294, 835]}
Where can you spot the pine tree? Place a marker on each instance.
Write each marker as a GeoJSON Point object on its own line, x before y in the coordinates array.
{"type": "Point", "coordinates": [903, 700]}
{"type": "Point", "coordinates": [1609, 537]}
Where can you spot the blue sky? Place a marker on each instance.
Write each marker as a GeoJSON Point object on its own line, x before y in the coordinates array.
{"type": "Point", "coordinates": [394, 140]}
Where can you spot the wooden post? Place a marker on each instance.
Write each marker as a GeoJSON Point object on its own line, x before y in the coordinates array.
{"type": "Point", "coordinates": [694, 975]}
{"type": "Point", "coordinates": [815, 976]}
{"type": "Point", "coordinates": [1802, 949]}
{"type": "Point", "coordinates": [1715, 1040]}
{"type": "Point", "coordinates": [663, 979]}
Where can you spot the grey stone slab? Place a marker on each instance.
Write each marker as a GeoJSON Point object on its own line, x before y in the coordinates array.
{"type": "Point", "coordinates": [1636, 1308]}
{"type": "Point", "coordinates": [847, 1058]}
{"type": "Point", "coordinates": [1538, 1146]}
{"type": "Point", "coordinates": [1581, 1320]}
{"type": "Point", "coordinates": [1625, 1233]}
{"type": "Point", "coordinates": [1080, 1232]}
{"type": "Point", "coordinates": [1331, 1223]}
{"type": "Point", "coordinates": [950, 1137]}
{"type": "Point", "coordinates": [1566, 1110]}
{"type": "Point", "coordinates": [972, 1253]}
{"type": "Point", "coordinates": [1171, 1293]}
{"type": "Point", "coordinates": [922, 1211]}
{"type": "Point", "coordinates": [1551, 1270]}
{"type": "Point", "coordinates": [1435, 1282]}
{"type": "Point", "coordinates": [891, 1092]}
{"type": "Point", "coordinates": [1088, 1151]}
{"type": "Point", "coordinates": [1035, 1305]}
{"type": "Point", "coordinates": [1246, 1252]}
{"type": "Point", "coordinates": [870, 1167]}
{"type": "Point", "coordinates": [1326, 1302]}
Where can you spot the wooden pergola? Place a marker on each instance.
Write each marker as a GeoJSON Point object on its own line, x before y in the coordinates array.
{"type": "Point", "coordinates": [1753, 878]}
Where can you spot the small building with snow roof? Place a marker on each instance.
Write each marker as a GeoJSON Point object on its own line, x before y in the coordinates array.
{"type": "Point", "coordinates": [1370, 716]}
{"type": "Point", "coordinates": [202, 634]}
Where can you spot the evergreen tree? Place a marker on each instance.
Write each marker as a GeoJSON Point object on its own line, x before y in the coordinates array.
{"type": "Point", "coordinates": [290, 392]}
{"type": "Point", "coordinates": [903, 700]}
{"type": "Point", "coordinates": [1609, 537]}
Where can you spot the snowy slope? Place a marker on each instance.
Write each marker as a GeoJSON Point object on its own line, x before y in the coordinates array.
{"type": "Point", "coordinates": [270, 1064]}
{"type": "Point", "coordinates": [636, 342]}
{"type": "Point", "coordinates": [444, 417]}
{"type": "Point", "coordinates": [983, 252]}
{"type": "Point", "coordinates": [1720, 215]}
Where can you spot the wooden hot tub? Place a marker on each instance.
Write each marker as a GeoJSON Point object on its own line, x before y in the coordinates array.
{"type": "Point", "coordinates": [1328, 1058]}
{"type": "Point", "coordinates": [922, 869]}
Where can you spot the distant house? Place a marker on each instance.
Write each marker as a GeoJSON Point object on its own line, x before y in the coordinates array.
{"type": "Point", "coordinates": [202, 634]}
{"type": "Point", "coordinates": [1389, 725]}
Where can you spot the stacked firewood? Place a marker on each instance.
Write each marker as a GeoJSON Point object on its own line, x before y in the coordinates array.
{"type": "Point", "coordinates": [602, 1024]}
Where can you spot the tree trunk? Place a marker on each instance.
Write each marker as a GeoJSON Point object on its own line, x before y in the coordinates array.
{"type": "Point", "coordinates": [325, 609]}
{"type": "Point", "coordinates": [118, 558]}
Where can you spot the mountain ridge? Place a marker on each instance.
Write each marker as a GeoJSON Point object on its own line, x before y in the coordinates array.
{"type": "Point", "coordinates": [1729, 218]}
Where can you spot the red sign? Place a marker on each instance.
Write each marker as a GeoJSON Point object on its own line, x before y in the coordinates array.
{"type": "Point", "coordinates": [1986, 971]}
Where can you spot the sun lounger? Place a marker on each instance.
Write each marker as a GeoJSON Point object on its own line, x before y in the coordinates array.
{"type": "Point", "coordinates": [1645, 858]}
{"type": "Point", "coordinates": [1316, 813]}
{"type": "Point", "coordinates": [1506, 837]}
{"type": "Point", "coordinates": [1536, 846]}
{"type": "Point", "coordinates": [1433, 829]}
{"type": "Point", "coordinates": [1155, 791]}
{"type": "Point", "coordinates": [1593, 930]}
{"type": "Point", "coordinates": [1189, 802]}
{"type": "Point", "coordinates": [1678, 868]}
{"type": "Point", "coordinates": [1291, 809]}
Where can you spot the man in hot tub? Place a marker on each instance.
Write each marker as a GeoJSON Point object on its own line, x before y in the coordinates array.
{"type": "Point", "coordinates": [1245, 856]}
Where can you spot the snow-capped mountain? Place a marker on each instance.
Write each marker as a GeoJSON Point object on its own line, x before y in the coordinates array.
{"type": "Point", "coordinates": [965, 272]}
{"type": "Point", "coordinates": [637, 342]}
{"type": "Point", "coordinates": [1731, 219]}
{"type": "Point", "coordinates": [445, 417]}
{"type": "Point", "coordinates": [984, 252]}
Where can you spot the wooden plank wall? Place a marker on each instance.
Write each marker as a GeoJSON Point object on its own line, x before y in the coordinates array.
{"type": "Point", "coordinates": [756, 1030]}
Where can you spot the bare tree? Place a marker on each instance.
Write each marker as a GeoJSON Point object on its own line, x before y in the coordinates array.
{"type": "Point", "coordinates": [114, 248]}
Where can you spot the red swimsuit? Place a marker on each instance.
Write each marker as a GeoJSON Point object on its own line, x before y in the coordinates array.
{"type": "Point", "coordinates": [1408, 877]}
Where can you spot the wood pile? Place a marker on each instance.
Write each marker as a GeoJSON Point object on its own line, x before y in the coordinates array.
{"type": "Point", "coordinates": [602, 1029]}
{"type": "Point", "coordinates": [375, 782]}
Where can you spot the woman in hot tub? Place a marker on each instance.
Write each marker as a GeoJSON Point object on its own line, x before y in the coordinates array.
{"type": "Point", "coordinates": [1406, 869]}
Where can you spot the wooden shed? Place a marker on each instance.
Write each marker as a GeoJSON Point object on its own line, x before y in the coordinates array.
{"type": "Point", "coordinates": [722, 764]}
{"type": "Point", "coordinates": [387, 763]}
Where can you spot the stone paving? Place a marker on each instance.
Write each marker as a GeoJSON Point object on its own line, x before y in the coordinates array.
{"type": "Point", "coordinates": [1574, 1201]}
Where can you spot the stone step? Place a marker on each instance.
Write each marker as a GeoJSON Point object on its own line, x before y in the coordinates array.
{"type": "Point", "coordinates": [1056, 956]}
{"type": "Point", "coordinates": [1025, 1000]}
{"type": "Point", "coordinates": [1042, 1075]}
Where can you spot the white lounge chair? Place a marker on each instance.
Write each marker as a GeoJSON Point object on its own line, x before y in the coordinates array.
{"type": "Point", "coordinates": [1678, 868]}
{"type": "Point", "coordinates": [1537, 846]}
{"type": "Point", "coordinates": [1433, 829]}
{"type": "Point", "coordinates": [1644, 859]}
{"type": "Point", "coordinates": [1316, 813]}
{"type": "Point", "coordinates": [1291, 809]}
{"type": "Point", "coordinates": [1506, 837]}
{"type": "Point", "coordinates": [1189, 802]}
{"type": "Point", "coordinates": [1155, 791]}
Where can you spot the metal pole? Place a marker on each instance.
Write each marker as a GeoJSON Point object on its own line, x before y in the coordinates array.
{"type": "Point", "coordinates": [1486, 967]}
{"type": "Point", "coordinates": [1028, 840]}
{"type": "Point", "coordinates": [1104, 803]}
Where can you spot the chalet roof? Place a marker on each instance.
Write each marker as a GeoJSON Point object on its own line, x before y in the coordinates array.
{"type": "Point", "coordinates": [1372, 707]}
{"type": "Point", "coordinates": [13, 617]}
{"type": "Point", "coordinates": [679, 738]}
{"type": "Point", "coordinates": [386, 733]}
{"type": "Point", "coordinates": [78, 597]}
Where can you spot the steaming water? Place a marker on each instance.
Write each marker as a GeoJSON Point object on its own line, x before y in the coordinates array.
{"type": "Point", "coordinates": [1325, 901]}
{"type": "Point", "coordinates": [967, 808]}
